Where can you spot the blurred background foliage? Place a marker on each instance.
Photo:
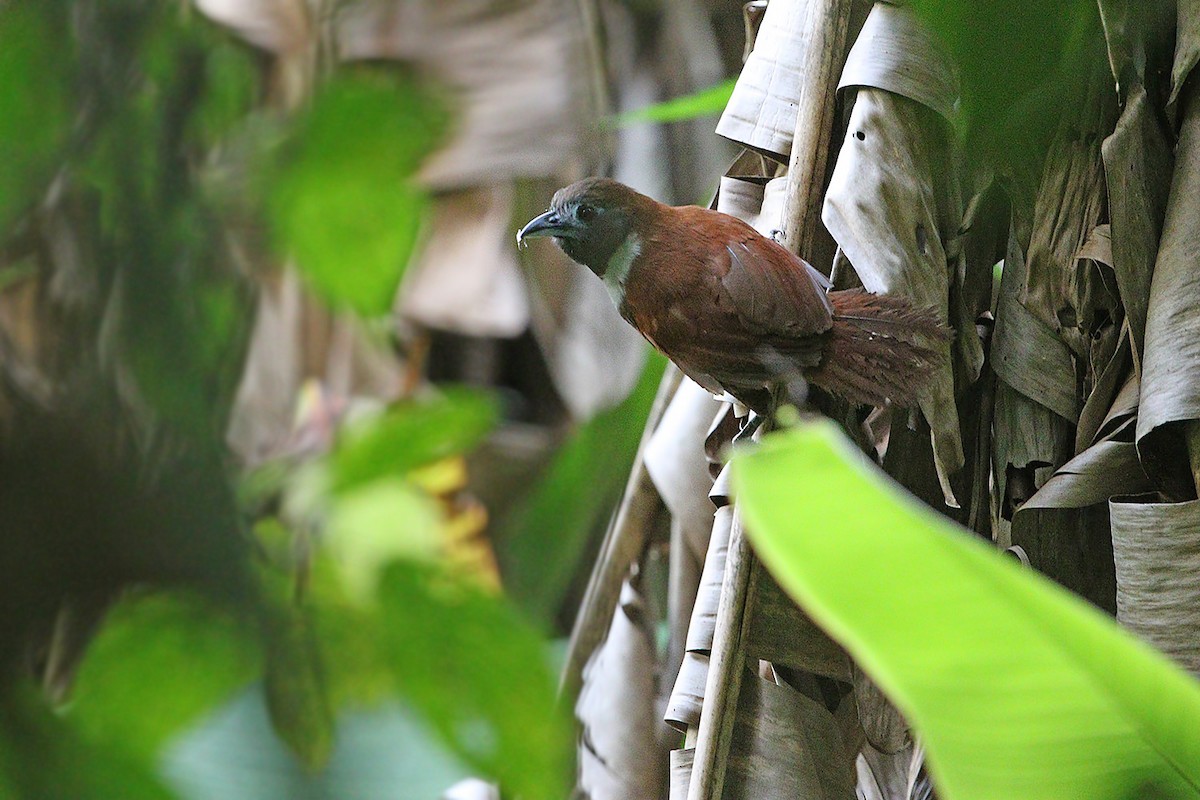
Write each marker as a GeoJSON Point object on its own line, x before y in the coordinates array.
{"type": "Point", "coordinates": [194, 613]}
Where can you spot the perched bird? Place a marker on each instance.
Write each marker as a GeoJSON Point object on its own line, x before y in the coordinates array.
{"type": "Point", "coordinates": [736, 311]}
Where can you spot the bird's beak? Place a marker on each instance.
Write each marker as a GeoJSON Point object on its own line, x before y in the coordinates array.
{"type": "Point", "coordinates": [547, 224]}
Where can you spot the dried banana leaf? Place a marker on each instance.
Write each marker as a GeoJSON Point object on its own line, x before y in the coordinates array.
{"type": "Point", "coordinates": [885, 727]}
{"type": "Point", "coordinates": [1098, 410]}
{"type": "Point", "coordinates": [466, 279]}
{"type": "Point", "coordinates": [618, 754]}
{"type": "Point", "coordinates": [1064, 527]}
{"type": "Point", "coordinates": [1158, 557]}
{"type": "Point", "coordinates": [1170, 390]}
{"type": "Point", "coordinates": [887, 776]}
{"type": "Point", "coordinates": [681, 772]}
{"type": "Point", "coordinates": [675, 460]}
{"type": "Point", "coordinates": [1136, 155]}
{"type": "Point", "coordinates": [890, 206]}
{"type": "Point", "coordinates": [897, 52]}
{"type": "Point", "coordinates": [761, 114]}
{"type": "Point", "coordinates": [788, 746]}
{"type": "Point", "coordinates": [687, 696]}
{"type": "Point", "coordinates": [1037, 401]}
{"type": "Point", "coordinates": [784, 635]}
{"type": "Point", "coordinates": [1187, 44]}
{"type": "Point", "coordinates": [516, 72]}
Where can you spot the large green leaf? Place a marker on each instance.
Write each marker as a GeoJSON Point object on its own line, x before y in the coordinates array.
{"type": "Point", "coordinates": [544, 539]}
{"type": "Point", "coordinates": [1018, 688]}
{"type": "Point", "coordinates": [160, 663]}
{"type": "Point", "coordinates": [295, 688]}
{"type": "Point", "coordinates": [343, 203]}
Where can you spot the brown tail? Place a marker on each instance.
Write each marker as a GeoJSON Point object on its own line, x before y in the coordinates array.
{"type": "Point", "coordinates": [879, 350]}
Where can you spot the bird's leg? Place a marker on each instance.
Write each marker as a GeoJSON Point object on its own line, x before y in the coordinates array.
{"type": "Point", "coordinates": [751, 424]}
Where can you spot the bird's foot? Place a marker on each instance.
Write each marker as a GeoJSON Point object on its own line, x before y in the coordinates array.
{"type": "Point", "coordinates": [752, 423]}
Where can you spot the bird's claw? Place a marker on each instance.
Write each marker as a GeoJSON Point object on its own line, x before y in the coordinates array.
{"type": "Point", "coordinates": [749, 428]}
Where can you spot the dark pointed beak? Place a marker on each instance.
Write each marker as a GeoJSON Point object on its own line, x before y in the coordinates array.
{"type": "Point", "coordinates": [547, 224]}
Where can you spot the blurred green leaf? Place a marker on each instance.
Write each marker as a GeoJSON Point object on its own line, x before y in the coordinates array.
{"type": "Point", "coordinates": [159, 663]}
{"type": "Point", "coordinates": [1016, 687]}
{"type": "Point", "coordinates": [703, 103]}
{"type": "Point", "coordinates": [1002, 50]}
{"type": "Point", "coordinates": [543, 540]}
{"type": "Point", "coordinates": [480, 676]}
{"type": "Point", "coordinates": [343, 203]}
{"type": "Point", "coordinates": [413, 433]}
{"type": "Point", "coordinates": [44, 758]}
{"type": "Point", "coordinates": [295, 688]}
{"type": "Point", "coordinates": [231, 80]}
{"type": "Point", "coordinates": [376, 524]}
{"type": "Point", "coordinates": [35, 102]}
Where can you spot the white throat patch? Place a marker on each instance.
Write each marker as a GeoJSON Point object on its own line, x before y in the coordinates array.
{"type": "Point", "coordinates": [617, 270]}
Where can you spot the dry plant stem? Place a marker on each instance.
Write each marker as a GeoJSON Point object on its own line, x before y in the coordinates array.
{"type": "Point", "coordinates": [623, 544]}
{"type": "Point", "coordinates": [726, 667]}
{"type": "Point", "coordinates": [828, 25]}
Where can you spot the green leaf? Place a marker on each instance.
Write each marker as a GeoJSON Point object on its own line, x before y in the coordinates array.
{"type": "Point", "coordinates": [1017, 687]}
{"type": "Point", "coordinates": [343, 204]}
{"type": "Point", "coordinates": [412, 433]}
{"type": "Point", "coordinates": [703, 103]}
{"type": "Point", "coordinates": [295, 688]}
{"type": "Point", "coordinates": [158, 664]}
{"type": "Point", "coordinates": [34, 105]}
{"type": "Point", "coordinates": [480, 676]}
{"type": "Point", "coordinates": [374, 525]}
{"type": "Point", "coordinates": [44, 758]}
{"type": "Point", "coordinates": [544, 539]}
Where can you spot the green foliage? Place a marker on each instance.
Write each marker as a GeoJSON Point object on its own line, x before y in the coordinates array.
{"type": "Point", "coordinates": [157, 90]}
{"type": "Point", "coordinates": [34, 105]}
{"type": "Point", "coordinates": [545, 536]}
{"type": "Point", "coordinates": [460, 657]}
{"type": "Point", "coordinates": [343, 202]}
{"type": "Point", "coordinates": [481, 676]}
{"type": "Point", "coordinates": [1001, 53]}
{"type": "Point", "coordinates": [1017, 687]}
{"type": "Point", "coordinates": [371, 526]}
{"type": "Point", "coordinates": [295, 687]}
{"type": "Point", "coordinates": [703, 103]}
{"type": "Point", "coordinates": [1018, 64]}
{"type": "Point", "coordinates": [42, 758]}
{"type": "Point", "coordinates": [348, 607]}
{"type": "Point", "coordinates": [413, 433]}
{"type": "Point", "coordinates": [159, 663]}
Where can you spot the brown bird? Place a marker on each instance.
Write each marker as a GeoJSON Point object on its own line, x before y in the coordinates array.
{"type": "Point", "coordinates": [736, 311]}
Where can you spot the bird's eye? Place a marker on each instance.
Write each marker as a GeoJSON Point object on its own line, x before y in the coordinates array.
{"type": "Point", "coordinates": [585, 213]}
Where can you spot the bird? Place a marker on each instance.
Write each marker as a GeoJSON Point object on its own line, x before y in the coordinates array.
{"type": "Point", "coordinates": [737, 312]}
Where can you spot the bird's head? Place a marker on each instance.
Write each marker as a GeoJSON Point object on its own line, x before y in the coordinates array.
{"type": "Point", "coordinates": [590, 220]}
